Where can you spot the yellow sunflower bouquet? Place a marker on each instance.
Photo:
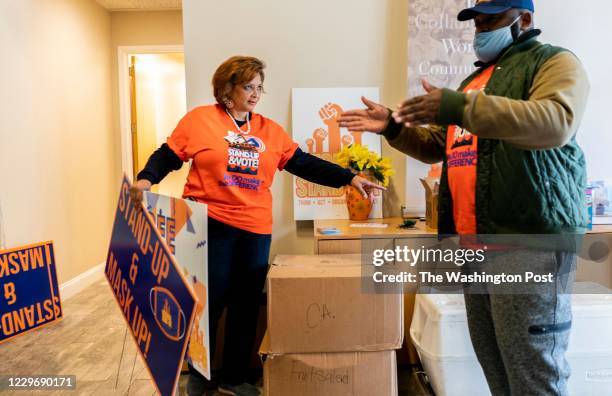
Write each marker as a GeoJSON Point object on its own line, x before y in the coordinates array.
{"type": "Point", "coordinates": [361, 159]}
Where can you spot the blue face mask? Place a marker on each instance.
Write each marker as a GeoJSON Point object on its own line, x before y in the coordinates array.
{"type": "Point", "coordinates": [488, 45]}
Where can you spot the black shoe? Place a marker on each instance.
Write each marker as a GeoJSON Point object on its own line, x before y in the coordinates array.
{"type": "Point", "coordinates": [244, 389]}
{"type": "Point", "coordinates": [196, 386]}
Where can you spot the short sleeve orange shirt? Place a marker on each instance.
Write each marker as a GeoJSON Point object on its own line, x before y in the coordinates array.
{"type": "Point", "coordinates": [232, 170]}
{"type": "Point", "coordinates": [461, 161]}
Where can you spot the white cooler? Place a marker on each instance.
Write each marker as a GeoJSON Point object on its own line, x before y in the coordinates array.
{"type": "Point", "coordinates": [439, 332]}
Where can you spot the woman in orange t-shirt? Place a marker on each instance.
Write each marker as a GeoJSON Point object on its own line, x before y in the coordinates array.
{"type": "Point", "coordinates": [235, 154]}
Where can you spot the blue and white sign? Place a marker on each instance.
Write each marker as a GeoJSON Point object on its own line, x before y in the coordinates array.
{"type": "Point", "coordinates": [184, 226]}
{"type": "Point", "coordinates": [153, 295]}
{"type": "Point", "coordinates": [29, 296]}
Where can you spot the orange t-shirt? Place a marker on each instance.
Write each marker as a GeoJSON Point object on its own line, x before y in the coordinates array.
{"type": "Point", "coordinates": [461, 160]}
{"type": "Point", "coordinates": [232, 171]}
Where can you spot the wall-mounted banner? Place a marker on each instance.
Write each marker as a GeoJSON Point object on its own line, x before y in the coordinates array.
{"type": "Point", "coordinates": [439, 46]}
{"type": "Point", "coordinates": [29, 295]}
{"type": "Point", "coordinates": [183, 224]}
{"type": "Point", "coordinates": [315, 129]}
{"type": "Point", "coordinates": [439, 50]}
{"type": "Point", "coordinates": [155, 299]}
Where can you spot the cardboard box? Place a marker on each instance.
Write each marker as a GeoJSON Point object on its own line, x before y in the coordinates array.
{"type": "Point", "coordinates": [411, 352]}
{"type": "Point", "coordinates": [316, 304]}
{"type": "Point", "coordinates": [329, 374]}
{"type": "Point", "coordinates": [431, 185]}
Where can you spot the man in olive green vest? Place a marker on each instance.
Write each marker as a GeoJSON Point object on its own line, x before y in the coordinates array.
{"type": "Point", "coordinates": [512, 165]}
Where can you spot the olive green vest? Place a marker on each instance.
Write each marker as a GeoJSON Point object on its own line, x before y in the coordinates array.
{"type": "Point", "coordinates": [522, 191]}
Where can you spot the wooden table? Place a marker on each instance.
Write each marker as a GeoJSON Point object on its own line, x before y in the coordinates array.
{"type": "Point", "coordinates": [349, 239]}
{"type": "Point", "coordinates": [601, 229]}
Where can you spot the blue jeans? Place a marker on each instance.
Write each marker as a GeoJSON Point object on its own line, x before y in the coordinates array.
{"type": "Point", "coordinates": [237, 269]}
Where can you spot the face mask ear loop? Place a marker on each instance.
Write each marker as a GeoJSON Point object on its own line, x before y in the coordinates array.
{"type": "Point", "coordinates": [515, 36]}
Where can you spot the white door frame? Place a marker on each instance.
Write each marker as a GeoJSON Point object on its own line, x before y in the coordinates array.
{"type": "Point", "coordinates": [125, 119]}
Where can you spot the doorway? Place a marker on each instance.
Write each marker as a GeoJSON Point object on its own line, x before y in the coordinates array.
{"type": "Point", "coordinates": [154, 100]}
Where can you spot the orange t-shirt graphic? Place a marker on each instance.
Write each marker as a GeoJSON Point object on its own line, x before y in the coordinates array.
{"type": "Point", "coordinates": [232, 171]}
{"type": "Point", "coordinates": [462, 157]}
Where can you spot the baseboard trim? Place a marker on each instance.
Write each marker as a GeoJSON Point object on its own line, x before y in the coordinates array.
{"type": "Point", "coordinates": [78, 283]}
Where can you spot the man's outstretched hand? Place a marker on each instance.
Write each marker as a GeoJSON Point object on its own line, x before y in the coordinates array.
{"type": "Point", "coordinates": [373, 118]}
{"type": "Point", "coordinates": [420, 110]}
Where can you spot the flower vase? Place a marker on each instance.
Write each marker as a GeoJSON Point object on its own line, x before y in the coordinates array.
{"type": "Point", "coordinates": [359, 208]}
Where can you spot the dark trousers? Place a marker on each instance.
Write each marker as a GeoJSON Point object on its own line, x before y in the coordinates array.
{"type": "Point", "coordinates": [520, 333]}
{"type": "Point", "coordinates": [237, 268]}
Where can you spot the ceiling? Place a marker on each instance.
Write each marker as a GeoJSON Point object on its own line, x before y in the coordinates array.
{"type": "Point", "coordinates": [136, 5]}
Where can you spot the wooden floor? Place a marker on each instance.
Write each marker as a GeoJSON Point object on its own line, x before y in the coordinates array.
{"type": "Point", "coordinates": [92, 343]}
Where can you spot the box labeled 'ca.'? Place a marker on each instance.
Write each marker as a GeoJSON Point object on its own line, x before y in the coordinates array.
{"type": "Point", "coordinates": [316, 304]}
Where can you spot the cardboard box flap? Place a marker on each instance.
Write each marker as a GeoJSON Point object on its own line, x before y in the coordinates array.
{"type": "Point", "coordinates": [314, 272]}
{"type": "Point", "coordinates": [264, 348]}
{"type": "Point", "coordinates": [324, 266]}
{"type": "Point", "coordinates": [323, 260]}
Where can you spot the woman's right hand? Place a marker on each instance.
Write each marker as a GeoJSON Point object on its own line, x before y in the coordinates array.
{"type": "Point", "coordinates": [372, 119]}
{"type": "Point", "coordinates": [136, 192]}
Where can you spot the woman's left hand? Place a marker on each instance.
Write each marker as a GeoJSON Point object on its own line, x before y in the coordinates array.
{"type": "Point", "coordinates": [365, 186]}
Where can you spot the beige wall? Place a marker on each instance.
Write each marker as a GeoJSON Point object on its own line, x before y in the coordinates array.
{"type": "Point", "coordinates": [139, 28]}
{"type": "Point", "coordinates": [56, 140]}
{"type": "Point", "coordinates": [315, 43]}
{"type": "Point", "coordinates": [147, 28]}
{"type": "Point", "coordinates": [60, 152]}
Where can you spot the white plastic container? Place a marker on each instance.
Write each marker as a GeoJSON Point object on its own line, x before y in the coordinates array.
{"type": "Point", "coordinates": [440, 334]}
